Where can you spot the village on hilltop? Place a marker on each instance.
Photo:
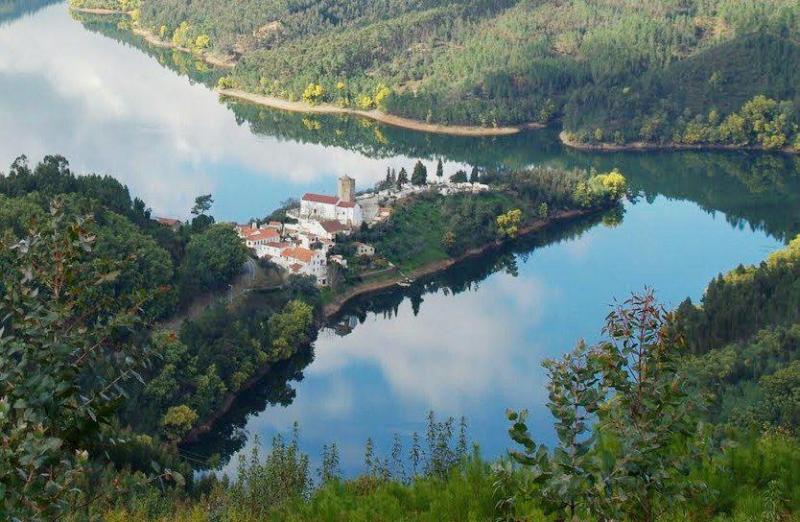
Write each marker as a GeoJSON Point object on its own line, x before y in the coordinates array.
{"type": "Point", "coordinates": [303, 244]}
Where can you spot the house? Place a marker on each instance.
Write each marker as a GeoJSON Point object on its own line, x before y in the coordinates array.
{"type": "Point", "coordinates": [262, 237]}
{"type": "Point", "coordinates": [364, 250]}
{"type": "Point", "coordinates": [303, 261]}
{"type": "Point", "coordinates": [254, 236]}
{"type": "Point", "coordinates": [342, 207]}
{"type": "Point", "coordinates": [272, 250]}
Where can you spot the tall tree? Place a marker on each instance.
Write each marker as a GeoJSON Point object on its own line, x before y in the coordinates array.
{"type": "Point", "coordinates": [202, 204]}
{"type": "Point", "coordinates": [201, 222]}
{"type": "Point", "coordinates": [439, 169]}
{"type": "Point", "coordinates": [419, 176]}
{"type": "Point", "coordinates": [402, 178]}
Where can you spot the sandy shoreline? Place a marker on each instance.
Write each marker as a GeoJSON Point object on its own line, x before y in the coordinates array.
{"type": "Point", "coordinates": [97, 10]}
{"type": "Point", "coordinates": [294, 106]}
{"type": "Point", "coordinates": [155, 41]}
{"type": "Point", "coordinates": [389, 119]}
{"type": "Point", "coordinates": [645, 146]}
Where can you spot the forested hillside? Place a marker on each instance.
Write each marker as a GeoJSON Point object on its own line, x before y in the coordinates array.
{"type": "Point", "coordinates": [613, 71]}
{"type": "Point", "coordinates": [83, 260]}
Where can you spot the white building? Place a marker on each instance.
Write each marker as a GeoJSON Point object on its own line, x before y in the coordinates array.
{"type": "Point", "coordinates": [303, 261]}
{"type": "Point", "coordinates": [262, 237]}
{"type": "Point", "coordinates": [342, 208]}
{"type": "Point", "coordinates": [272, 250]}
{"type": "Point", "coordinates": [255, 236]}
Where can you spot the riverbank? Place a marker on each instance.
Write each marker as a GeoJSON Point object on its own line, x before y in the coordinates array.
{"type": "Point", "coordinates": [98, 11]}
{"type": "Point", "coordinates": [644, 146]}
{"type": "Point", "coordinates": [303, 107]}
{"type": "Point", "coordinates": [154, 40]}
{"type": "Point", "coordinates": [380, 116]}
{"type": "Point", "coordinates": [210, 58]}
{"type": "Point", "coordinates": [333, 308]}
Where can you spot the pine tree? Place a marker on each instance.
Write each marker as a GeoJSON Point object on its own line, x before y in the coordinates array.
{"type": "Point", "coordinates": [419, 176]}
{"type": "Point", "coordinates": [439, 169]}
{"type": "Point", "coordinates": [402, 178]}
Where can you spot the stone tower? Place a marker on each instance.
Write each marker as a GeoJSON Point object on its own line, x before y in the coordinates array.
{"type": "Point", "coordinates": [347, 189]}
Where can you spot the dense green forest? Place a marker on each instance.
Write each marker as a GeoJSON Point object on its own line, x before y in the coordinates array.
{"type": "Point", "coordinates": [690, 415]}
{"type": "Point", "coordinates": [694, 72]}
{"type": "Point", "coordinates": [104, 264]}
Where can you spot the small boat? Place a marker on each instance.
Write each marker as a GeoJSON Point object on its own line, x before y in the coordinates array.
{"type": "Point", "coordinates": [405, 283]}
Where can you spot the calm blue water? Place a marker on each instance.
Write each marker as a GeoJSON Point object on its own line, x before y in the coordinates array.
{"type": "Point", "coordinates": [476, 343]}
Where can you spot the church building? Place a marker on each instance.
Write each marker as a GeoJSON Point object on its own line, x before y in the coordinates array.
{"type": "Point", "coordinates": [342, 208]}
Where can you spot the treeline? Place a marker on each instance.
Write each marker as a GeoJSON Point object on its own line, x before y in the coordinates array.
{"type": "Point", "coordinates": [745, 340]}
{"type": "Point", "coordinates": [613, 72]}
{"type": "Point", "coordinates": [194, 259]}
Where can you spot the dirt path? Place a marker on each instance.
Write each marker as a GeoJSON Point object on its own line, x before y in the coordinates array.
{"type": "Point", "coordinates": [389, 119]}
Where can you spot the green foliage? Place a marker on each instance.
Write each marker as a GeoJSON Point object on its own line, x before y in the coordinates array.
{"type": "Point", "coordinates": [69, 343]}
{"type": "Point", "coordinates": [419, 176]}
{"type": "Point", "coordinates": [290, 328]}
{"type": "Point", "coordinates": [314, 93]}
{"type": "Point", "coordinates": [738, 304]}
{"type": "Point", "coordinates": [265, 485]}
{"type": "Point", "coordinates": [508, 223]}
{"type": "Point", "coordinates": [430, 227]}
{"type": "Point", "coordinates": [459, 177]}
{"type": "Point", "coordinates": [202, 204]}
{"type": "Point", "coordinates": [114, 5]}
{"type": "Point", "coordinates": [631, 390]}
{"type": "Point", "coordinates": [212, 258]}
{"type": "Point", "coordinates": [178, 420]}
{"type": "Point", "coordinates": [612, 71]}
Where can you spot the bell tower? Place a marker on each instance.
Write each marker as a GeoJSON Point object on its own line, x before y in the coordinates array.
{"type": "Point", "coordinates": [347, 189]}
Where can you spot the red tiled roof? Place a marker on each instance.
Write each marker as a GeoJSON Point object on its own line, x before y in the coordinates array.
{"type": "Point", "coordinates": [345, 204]}
{"type": "Point", "coordinates": [264, 233]}
{"type": "Point", "coordinates": [245, 230]}
{"type": "Point", "coordinates": [332, 227]}
{"type": "Point", "coordinates": [303, 254]}
{"type": "Point", "coordinates": [296, 267]}
{"type": "Point", "coordinates": [169, 222]}
{"type": "Point", "coordinates": [319, 198]}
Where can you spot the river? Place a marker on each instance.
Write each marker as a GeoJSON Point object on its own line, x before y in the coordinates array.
{"type": "Point", "coordinates": [468, 342]}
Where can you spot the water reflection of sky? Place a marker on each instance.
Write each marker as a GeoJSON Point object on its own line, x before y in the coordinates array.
{"type": "Point", "coordinates": [112, 109]}
{"type": "Point", "coordinates": [479, 352]}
